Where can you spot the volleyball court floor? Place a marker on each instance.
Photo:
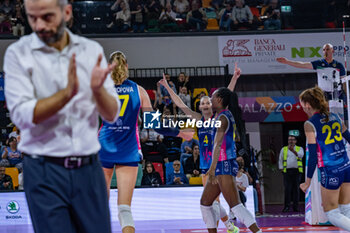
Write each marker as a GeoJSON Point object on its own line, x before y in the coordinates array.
{"type": "Point", "coordinates": [166, 210]}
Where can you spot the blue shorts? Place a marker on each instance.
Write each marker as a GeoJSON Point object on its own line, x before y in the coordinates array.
{"type": "Point", "coordinates": [333, 177]}
{"type": "Point", "coordinates": [204, 171]}
{"type": "Point", "coordinates": [111, 164]}
{"type": "Point", "coordinates": [227, 167]}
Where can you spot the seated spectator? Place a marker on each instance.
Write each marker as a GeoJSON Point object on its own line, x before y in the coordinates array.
{"type": "Point", "coordinates": [122, 19]}
{"type": "Point", "coordinates": [5, 24]}
{"type": "Point", "coordinates": [181, 7]}
{"type": "Point", "coordinates": [18, 25]}
{"type": "Point", "coordinates": [177, 177]}
{"type": "Point", "coordinates": [116, 7]}
{"type": "Point", "coordinates": [192, 163]}
{"type": "Point", "coordinates": [197, 18]}
{"type": "Point", "coordinates": [153, 9]}
{"type": "Point", "coordinates": [185, 97]}
{"type": "Point", "coordinates": [242, 16]}
{"type": "Point", "coordinates": [8, 8]}
{"type": "Point", "coordinates": [186, 146]}
{"type": "Point", "coordinates": [11, 157]}
{"type": "Point", "coordinates": [5, 180]}
{"type": "Point", "coordinates": [167, 20]}
{"type": "Point", "coordinates": [242, 181]}
{"type": "Point", "coordinates": [273, 14]}
{"type": "Point", "coordinates": [217, 4]}
{"type": "Point", "coordinates": [150, 176]}
{"type": "Point", "coordinates": [152, 141]}
{"type": "Point", "coordinates": [225, 17]}
{"type": "Point", "coordinates": [138, 18]}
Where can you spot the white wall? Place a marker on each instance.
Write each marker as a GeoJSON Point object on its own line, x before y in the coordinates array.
{"type": "Point", "coordinates": [152, 52]}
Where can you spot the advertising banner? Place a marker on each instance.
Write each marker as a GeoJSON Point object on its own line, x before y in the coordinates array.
{"type": "Point", "coordinates": [256, 54]}
{"type": "Point", "coordinates": [272, 109]}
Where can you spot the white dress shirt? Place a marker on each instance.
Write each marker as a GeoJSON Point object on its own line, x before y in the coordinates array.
{"type": "Point", "coordinates": [292, 161]}
{"type": "Point", "coordinates": [35, 71]}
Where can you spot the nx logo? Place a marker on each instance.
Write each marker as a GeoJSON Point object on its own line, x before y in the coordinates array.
{"type": "Point", "coordinates": [151, 120]}
{"type": "Point", "coordinates": [305, 52]}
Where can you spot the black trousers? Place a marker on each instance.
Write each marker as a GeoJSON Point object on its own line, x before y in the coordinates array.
{"type": "Point", "coordinates": [66, 200]}
{"type": "Point", "coordinates": [291, 180]}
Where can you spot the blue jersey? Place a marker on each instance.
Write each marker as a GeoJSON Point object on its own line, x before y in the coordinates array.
{"type": "Point", "coordinates": [329, 140]}
{"type": "Point", "coordinates": [120, 141]}
{"type": "Point", "coordinates": [228, 146]}
{"type": "Point", "coordinates": [205, 137]}
{"type": "Point", "coordinates": [14, 157]}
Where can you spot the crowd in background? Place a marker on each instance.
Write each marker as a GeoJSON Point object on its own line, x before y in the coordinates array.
{"type": "Point", "coordinates": [183, 15]}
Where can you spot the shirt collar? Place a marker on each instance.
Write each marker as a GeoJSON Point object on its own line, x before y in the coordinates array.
{"type": "Point", "coordinates": [38, 44]}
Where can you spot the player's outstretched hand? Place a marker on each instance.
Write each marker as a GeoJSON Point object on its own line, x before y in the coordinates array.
{"type": "Point", "coordinates": [186, 134]}
{"type": "Point", "coordinates": [163, 81]}
{"type": "Point", "coordinates": [282, 60]}
{"type": "Point", "coordinates": [237, 72]}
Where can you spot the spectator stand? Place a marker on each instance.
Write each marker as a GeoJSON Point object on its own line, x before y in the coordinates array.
{"type": "Point", "coordinates": [13, 172]}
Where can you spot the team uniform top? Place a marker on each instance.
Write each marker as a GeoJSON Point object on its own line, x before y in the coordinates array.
{"type": "Point", "coordinates": [330, 146]}
{"type": "Point", "coordinates": [205, 137]}
{"type": "Point", "coordinates": [327, 73]}
{"type": "Point", "coordinates": [120, 141]}
{"type": "Point", "coordinates": [228, 147]}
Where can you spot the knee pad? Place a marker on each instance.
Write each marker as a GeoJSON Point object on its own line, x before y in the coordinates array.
{"type": "Point", "coordinates": [216, 206]}
{"type": "Point", "coordinates": [345, 209]}
{"type": "Point", "coordinates": [243, 215]}
{"type": "Point", "coordinates": [125, 216]}
{"type": "Point", "coordinates": [209, 216]}
{"type": "Point", "coordinates": [338, 219]}
{"type": "Point", "coordinates": [223, 212]}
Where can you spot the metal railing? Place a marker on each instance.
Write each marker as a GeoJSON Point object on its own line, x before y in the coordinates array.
{"type": "Point", "coordinates": [175, 71]}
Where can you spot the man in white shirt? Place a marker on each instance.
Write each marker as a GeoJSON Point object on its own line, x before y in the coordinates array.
{"type": "Point", "coordinates": [291, 165]}
{"type": "Point", "coordinates": [57, 84]}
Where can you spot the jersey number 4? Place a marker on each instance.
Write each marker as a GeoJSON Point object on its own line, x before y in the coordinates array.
{"type": "Point", "coordinates": [124, 99]}
{"type": "Point", "coordinates": [327, 129]}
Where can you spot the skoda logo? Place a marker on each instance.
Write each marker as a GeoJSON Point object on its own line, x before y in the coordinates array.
{"type": "Point", "coordinates": [12, 207]}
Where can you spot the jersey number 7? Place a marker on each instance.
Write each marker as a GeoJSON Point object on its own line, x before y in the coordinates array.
{"type": "Point", "coordinates": [124, 99]}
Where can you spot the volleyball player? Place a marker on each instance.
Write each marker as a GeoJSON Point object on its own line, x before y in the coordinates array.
{"type": "Point", "coordinates": [224, 167]}
{"type": "Point", "coordinates": [120, 145]}
{"type": "Point", "coordinates": [205, 138]}
{"type": "Point", "coordinates": [325, 132]}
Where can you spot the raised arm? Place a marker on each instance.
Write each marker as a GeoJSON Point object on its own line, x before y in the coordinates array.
{"type": "Point", "coordinates": [236, 75]}
{"type": "Point", "coordinates": [297, 64]}
{"type": "Point", "coordinates": [178, 102]}
{"type": "Point", "coordinates": [146, 106]}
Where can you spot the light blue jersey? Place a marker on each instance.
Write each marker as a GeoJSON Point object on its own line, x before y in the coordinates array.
{"type": "Point", "coordinates": [205, 137]}
{"type": "Point", "coordinates": [120, 141]}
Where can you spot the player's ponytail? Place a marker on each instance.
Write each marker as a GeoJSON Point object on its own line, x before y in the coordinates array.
{"type": "Point", "coordinates": [230, 100]}
{"type": "Point", "coordinates": [315, 97]}
{"type": "Point", "coordinates": [120, 72]}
